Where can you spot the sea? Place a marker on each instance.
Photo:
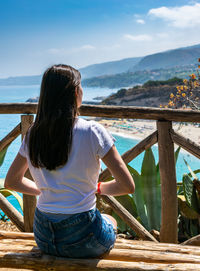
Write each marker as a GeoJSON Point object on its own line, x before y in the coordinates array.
{"type": "Point", "coordinates": [15, 94]}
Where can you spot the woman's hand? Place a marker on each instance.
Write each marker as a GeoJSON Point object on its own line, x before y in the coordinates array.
{"type": "Point", "coordinates": [123, 183]}
{"type": "Point", "coordinates": [15, 179]}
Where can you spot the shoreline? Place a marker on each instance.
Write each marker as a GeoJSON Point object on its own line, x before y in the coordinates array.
{"type": "Point", "coordinates": [140, 129]}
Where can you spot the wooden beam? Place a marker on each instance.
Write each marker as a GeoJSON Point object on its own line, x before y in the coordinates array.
{"type": "Point", "coordinates": [194, 241]}
{"type": "Point", "coordinates": [169, 210]}
{"type": "Point", "coordinates": [16, 235]}
{"type": "Point", "coordinates": [46, 262]}
{"type": "Point", "coordinates": [11, 213]}
{"type": "Point", "coordinates": [132, 153]}
{"type": "Point", "coordinates": [186, 143]}
{"type": "Point", "coordinates": [29, 202]}
{"type": "Point", "coordinates": [131, 112]}
{"type": "Point", "coordinates": [128, 218]}
{"type": "Point", "coordinates": [115, 261]}
{"type": "Point", "coordinates": [10, 137]}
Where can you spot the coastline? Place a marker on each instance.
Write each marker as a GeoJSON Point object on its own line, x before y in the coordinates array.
{"type": "Point", "coordinates": [139, 129]}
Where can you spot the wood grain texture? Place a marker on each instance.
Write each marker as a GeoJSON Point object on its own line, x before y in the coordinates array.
{"type": "Point", "coordinates": [131, 112]}
{"type": "Point", "coordinates": [169, 209]}
{"type": "Point", "coordinates": [11, 213]}
{"type": "Point", "coordinates": [10, 137]}
{"type": "Point", "coordinates": [29, 202]}
{"type": "Point", "coordinates": [134, 255]}
{"type": "Point", "coordinates": [186, 143]}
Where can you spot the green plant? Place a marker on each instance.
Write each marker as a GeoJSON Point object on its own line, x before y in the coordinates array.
{"type": "Point", "coordinates": [6, 192]}
{"type": "Point", "coordinates": [189, 205]}
{"type": "Point", "coordinates": [145, 203]}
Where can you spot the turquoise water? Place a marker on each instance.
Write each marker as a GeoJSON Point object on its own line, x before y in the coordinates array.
{"type": "Point", "coordinates": [22, 93]}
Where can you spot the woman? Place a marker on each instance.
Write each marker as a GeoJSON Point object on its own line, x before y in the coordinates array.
{"type": "Point", "coordinates": [63, 152]}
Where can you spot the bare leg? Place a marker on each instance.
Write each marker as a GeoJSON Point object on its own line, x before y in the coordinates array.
{"type": "Point", "coordinates": [112, 219]}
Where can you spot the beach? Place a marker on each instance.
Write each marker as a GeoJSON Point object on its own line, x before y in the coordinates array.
{"type": "Point", "coordinates": [139, 129]}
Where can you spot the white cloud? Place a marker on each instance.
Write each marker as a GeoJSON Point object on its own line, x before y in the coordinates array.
{"type": "Point", "coordinates": [65, 52]}
{"type": "Point", "coordinates": [181, 17]}
{"type": "Point", "coordinates": [140, 21]}
{"type": "Point", "coordinates": [87, 47]}
{"type": "Point", "coordinates": [162, 35]}
{"type": "Point", "coordinates": [138, 37]}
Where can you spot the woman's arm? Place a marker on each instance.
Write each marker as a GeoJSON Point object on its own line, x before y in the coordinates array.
{"type": "Point", "coordinates": [15, 179]}
{"type": "Point", "coordinates": [123, 183]}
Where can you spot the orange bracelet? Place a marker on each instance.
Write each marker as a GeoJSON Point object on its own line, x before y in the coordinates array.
{"type": "Point", "coordinates": [98, 188]}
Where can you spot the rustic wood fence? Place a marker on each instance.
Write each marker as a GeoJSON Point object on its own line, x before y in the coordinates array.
{"type": "Point", "coordinates": [165, 136]}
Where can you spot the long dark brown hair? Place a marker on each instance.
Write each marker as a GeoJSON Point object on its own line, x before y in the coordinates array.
{"type": "Point", "coordinates": [50, 137]}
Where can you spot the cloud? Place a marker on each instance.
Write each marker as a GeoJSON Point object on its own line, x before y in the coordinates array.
{"type": "Point", "coordinates": [181, 17]}
{"type": "Point", "coordinates": [140, 21]}
{"type": "Point", "coordinates": [65, 52]}
{"type": "Point", "coordinates": [138, 37]}
{"type": "Point", "coordinates": [87, 47]}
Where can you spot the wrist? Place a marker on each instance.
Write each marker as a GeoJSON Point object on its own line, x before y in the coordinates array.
{"type": "Point", "coordinates": [99, 188]}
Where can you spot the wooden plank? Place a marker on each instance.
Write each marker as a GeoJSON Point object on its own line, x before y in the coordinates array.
{"type": "Point", "coordinates": [29, 202]}
{"type": "Point", "coordinates": [133, 152]}
{"type": "Point", "coordinates": [186, 143]}
{"type": "Point", "coordinates": [169, 210]}
{"type": "Point", "coordinates": [131, 112]}
{"type": "Point", "coordinates": [128, 218]}
{"type": "Point", "coordinates": [11, 213]}
{"type": "Point", "coordinates": [10, 137]}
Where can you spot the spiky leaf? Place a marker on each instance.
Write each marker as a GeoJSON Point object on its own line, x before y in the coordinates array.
{"type": "Point", "coordinates": [190, 192]}
{"type": "Point", "coordinates": [185, 210]}
{"type": "Point", "coordinates": [138, 197]}
{"type": "Point", "coordinates": [128, 202]}
{"type": "Point", "coordinates": [151, 190]}
{"type": "Point", "coordinates": [2, 155]}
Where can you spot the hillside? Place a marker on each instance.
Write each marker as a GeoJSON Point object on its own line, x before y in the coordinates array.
{"type": "Point", "coordinates": [151, 94]}
{"type": "Point", "coordinates": [139, 77]}
{"type": "Point", "coordinates": [21, 80]}
{"type": "Point", "coordinates": [130, 71]}
{"type": "Point", "coordinates": [169, 59]}
{"type": "Point", "coordinates": [109, 68]}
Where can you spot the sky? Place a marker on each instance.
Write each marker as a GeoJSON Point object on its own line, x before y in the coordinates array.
{"type": "Point", "coordinates": [35, 34]}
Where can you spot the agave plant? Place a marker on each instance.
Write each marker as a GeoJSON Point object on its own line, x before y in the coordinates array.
{"type": "Point", "coordinates": [145, 203]}
{"type": "Point", "coordinates": [6, 192]}
{"type": "Point", "coordinates": [189, 204]}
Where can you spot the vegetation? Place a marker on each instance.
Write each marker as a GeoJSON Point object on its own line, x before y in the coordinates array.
{"type": "Point", "coordinates": [6, 192]}
{"type": "Point", "coordinates": [189, 205]}
{"type": "Point", "coordinates": [128, 79]}
{"type": "Point", "coordinates": [187, 93]}
{"type": "Point", "coordinates": [145, 203]}
{"type": "Point", "coordinates": [169, 82]}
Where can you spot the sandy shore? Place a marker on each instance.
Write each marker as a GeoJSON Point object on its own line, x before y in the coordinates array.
{"type": "Point", "coordinates": [139, 129]}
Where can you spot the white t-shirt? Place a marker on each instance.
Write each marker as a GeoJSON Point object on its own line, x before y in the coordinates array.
{"type": "Point", "coordinates": [71, 188]}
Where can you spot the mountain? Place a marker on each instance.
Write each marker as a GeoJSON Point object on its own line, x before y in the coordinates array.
{"type": "Point", "coordinates": [168, 59]}
{"type": "Point", "coordinates": [108, 68]}
{"type": "Point", "coordinates": [129, 79]}
{"type": "Point", "coordinates": [21, 80]}
{"type": "Point", "coordinates": [129, 71]}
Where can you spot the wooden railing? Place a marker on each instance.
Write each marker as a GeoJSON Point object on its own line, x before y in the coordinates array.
{"type": "Point", "coordinates": [165, 136]}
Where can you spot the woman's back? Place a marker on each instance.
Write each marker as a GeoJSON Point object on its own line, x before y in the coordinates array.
{"type": "Point", "coordinates": [71, 188]}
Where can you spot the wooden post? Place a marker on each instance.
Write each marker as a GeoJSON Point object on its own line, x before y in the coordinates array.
{"type": "Point", "coordinates": [169, 213]}
{"type": "Point", "coordinates": [29, 202]}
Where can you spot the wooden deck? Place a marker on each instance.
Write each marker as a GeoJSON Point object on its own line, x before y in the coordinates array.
{"type": "Point", "coordinates": [19, 251]}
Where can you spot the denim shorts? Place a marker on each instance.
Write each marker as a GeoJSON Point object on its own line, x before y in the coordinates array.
{"type": "Point", "coordinates": [83, 235]}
